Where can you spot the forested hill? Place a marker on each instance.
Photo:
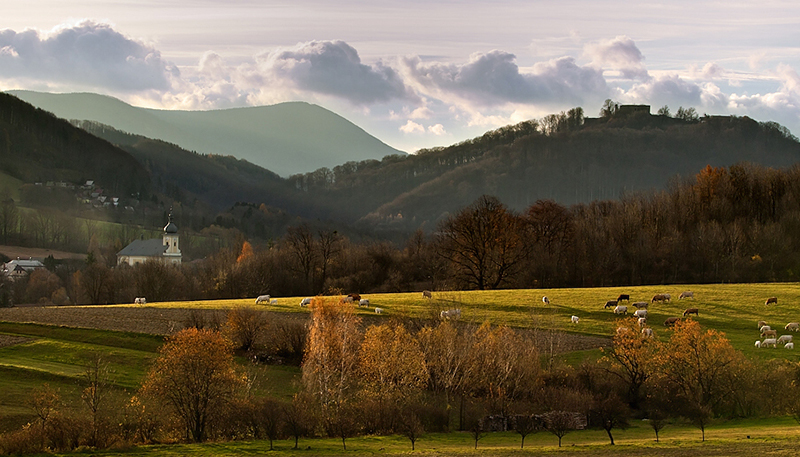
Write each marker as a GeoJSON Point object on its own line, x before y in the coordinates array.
{"type": "Point", "coordinates": [36, 146]}
{"type": "Point", "coordinates": [573, 162]}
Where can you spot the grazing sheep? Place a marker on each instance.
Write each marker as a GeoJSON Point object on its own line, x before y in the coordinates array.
{"type": "Point", "coordinates": [610, 304]}
{"type": "Point", "coordinates": [451, 313]}
{"type": "Point", "coordinates": [262, 299]}
{"type": "Point", "coordinates": [789, 346]}
{"type": "Point", "coordinates": [621, 310]}
{"type": "Point", "coordinates": [758, 343]}
{"type": "Point", "coordinates": [625, 297]}
{"type": "Point", "coordinates": [642, 322]}
{"type": "Point", "coordinates": [783, 339]}
{"type": "Point", "coordinates": [641, 304]}
{"type": "Point", "coordinates": [769, 342]}
{"type": "Point", "coordinates": [274, 301]}
{"type": "Point", "coordinates": [139, 301]}
{"type": "Point", "coordinates": [363, 302]}
{"type": "Point", "coordinates": [545, 300]}
{"type": "Point", "coordinates": [378, 310]}
{"type": "Point", "coordinates": [427, 294]}
{"type": "Point", "coordinates": [575, 319]}
{"type": "Point", "coordinates": [667, 297]}
{"type": "Point", "coordinates": [305, 302]}
{"type": "Point", "coordinates": [689, 311]}
{"type": "Point", "coordinates": [764, 328]}
{"type": "Point", "coordinates": [761, 324]}
{"type": "Point", "coordinates": [647, 332]}
{"type": "Point", "coordinates": [671, 321]}
{"type": "Point", "coordinates": [793, 326]}
{"type": "Point", "coordinates": [640, 313]}
{"type": "Point", "coordinates": [622, 330]}
{"type": "Point", "coordinates": [771, 300]}
{"type": "Point", "coordinates": [768, 333]}
{"type": "Point", "coordinates": [686, 294]}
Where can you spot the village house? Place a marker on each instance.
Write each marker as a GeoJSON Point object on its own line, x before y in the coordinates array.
{"type": "Point", "coordinates": [19, 268]}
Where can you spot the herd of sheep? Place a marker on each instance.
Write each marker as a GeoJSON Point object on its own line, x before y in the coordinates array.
{"type": "Point", "coordinates": [770, 336]}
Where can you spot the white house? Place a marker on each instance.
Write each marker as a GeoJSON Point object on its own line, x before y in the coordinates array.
{"type": "Point", "coordinates": [164, 250]}
{"type": "Point", "coordinates": [19, 268]}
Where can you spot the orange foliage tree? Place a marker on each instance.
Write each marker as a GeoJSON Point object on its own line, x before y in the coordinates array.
{"type": "Point", "coordinates": [631, 359]}
{"type": "Point", "coordinates": [194, 375]}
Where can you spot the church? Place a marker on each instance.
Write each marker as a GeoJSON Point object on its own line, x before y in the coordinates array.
{"type": "Point", "coordinates": [164, 250]}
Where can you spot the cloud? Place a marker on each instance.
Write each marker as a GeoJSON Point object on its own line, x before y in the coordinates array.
{"type": "Point", "coordinates": [334, 68]}
{"type": "Point", "coordinates": [88, 54]}
{"type": "Point", "coordinates": [493, 78]}
{"type": "Point", "coordinates": [412, 127]}
{"type": "Point", "coordinates": [666, 89]}
{"type": "Point", "coordinates": [620, 54]}
{"type": "Point", "coordinates": [437, 129]}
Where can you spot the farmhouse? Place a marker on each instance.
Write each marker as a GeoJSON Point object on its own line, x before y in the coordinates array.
{"type": "Point", "coordinates": [19, 268]}
{"type": "Point", "coordinates": [164, 250]}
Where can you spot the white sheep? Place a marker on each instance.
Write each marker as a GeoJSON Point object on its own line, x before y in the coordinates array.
{"type": "Point", "coordinates": [622, 330]}
{"type": "Point", "coordinates": [783, 339]}
{"type": "Point", "coordinates": [642, 322]}
{"type": "Point", "coordinates": [686, 294]}
{"type": "Point", "coordinates": [793, 326]}
{"type": "Point", "coordinates": [545, 300]}
{"type": "Point", "coordinates": [306, 301]}
{"type": "Point", "coordinates": [789, 346]}
{"type": "Point", "coordinates": [575, 319]}
{"type": "Point", "coordinates": [764, 328]}
{"type": "Point", "coordinates": [647, 332]}
{"type": "Point", "coordinates": [378, 310]}
{"type": "Point", "coordinates": [621, 310]}
{"type": "Point", "coordinates": [758, 343]}
{"type": "Point", "coordinates": [274, 301]}
{"type": "Point", "coordinates": [640, 313]}
{"type": "Point", "coordinates": [363, 302]}
{"type": "Point", "coordinates": [769, 342]}
{"type": "Point", "coordinates": [262, 299]}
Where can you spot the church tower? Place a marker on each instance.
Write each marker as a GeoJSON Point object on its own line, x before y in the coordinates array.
{"type": "Point", "coordinates": [173, 253]}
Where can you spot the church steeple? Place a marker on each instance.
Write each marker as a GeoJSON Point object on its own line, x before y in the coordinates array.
{"type": "Point", "coordinates": [172, 252]}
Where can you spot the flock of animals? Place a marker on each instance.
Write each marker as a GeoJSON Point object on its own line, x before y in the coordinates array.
{"type": "Point", "coordinates": [770, 335]}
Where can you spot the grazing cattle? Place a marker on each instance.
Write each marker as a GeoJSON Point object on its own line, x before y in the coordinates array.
{"type": "Point", "coordinates": [274, 301]}
{"type": "Point", "coordinates": [139, 301]}
{"type": "Point", "coordinates": [378, 310]}
{"type": "Point", "coordinates": [641, 304]}
{"type": "Point", "coordinates": [450, 314]}
{"type": "Point", "coordinates": [694, 311]}
{"type": "Point", "coordinates": [625, 297]}
{"type": "Point", "coordinates": [621, 310]}
{"type": "Point", "coordinates": [642, 322]}
{"type": "Point", "coordinates": [610, 304]}
{"type": "Point", "coordinates": [575, 319]}
{"type": "Point", "coordinates": [768, 333]}
{"type": "Point", "coordinates": [427, 294]}
{"type": "Point", "coordinates": [761, 324]}
{"type": "Point", "coordinates": [545, 300]}
{"type": "Point", "coordinates": [647, 332]}
{"type": "Point", "coordinates": [771, 300]}
{"type": "Point", "coordinates": [640, 313]}
{"type": "Point", "coordinates": [305, 302]}
{"type": "Point", "coordinates": [667, 297]}
{"type": "Point", "coordinates": [769, 342]}
{"type": "Point", "coordinates": [658, 298]}
{"type": "Point", "coordinates": [758, 343]}
{"type": "Point", "coordinates": [686, 294]}
{"type": "Point", "coordinates": [793, 326]}
{"type": "Point", "coordinates": [363, 302]}
{"type": "Point", "coordinates": [783, 339]}
{"type": "Point", "coordinates": [671, 321]}
{"type": "Point", "coordinates": [262, 299]}
{"type": "Point", "coordinates": [789, 346]}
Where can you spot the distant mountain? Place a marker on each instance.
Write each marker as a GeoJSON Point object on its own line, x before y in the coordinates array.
{"type": "Point", "coordinates": [286, 138]}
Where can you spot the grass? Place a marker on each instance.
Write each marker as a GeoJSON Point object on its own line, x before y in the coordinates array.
{"type": "Point", "coordinates": [776, 436]}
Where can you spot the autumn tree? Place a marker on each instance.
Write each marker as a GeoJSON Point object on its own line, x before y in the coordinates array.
{"type": "Point", "coordinates": [245, 326]}
{"type": "Point", "coordinates": [94, 395]}
{"type": "Point", "coordinates": [194, 375]}
{"type": "Point", "coordinates": [330, 365]}
{"type": "Point", "coordinates": [631, 359]}
{"type": "Point", "coordinates": [447, 358]}
{"type": "Point", "coordinates": [482, 243]}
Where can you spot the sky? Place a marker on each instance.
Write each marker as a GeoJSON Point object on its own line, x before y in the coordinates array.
{"type": "Point", "coordinates": [414, 73]}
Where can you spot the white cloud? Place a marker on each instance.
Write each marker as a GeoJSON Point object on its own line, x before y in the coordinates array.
{"type": "Point", "coordinates": [88, 55]}
{"type": "Point", "coordinates": [437, 129]}
{"type": "Point", "coordinates": [493, 78]}
{"type": "Point", "coordinates": [334, 68]}
{"type": "Point", "coordinates": [620, 54]}
{"type": "Point", "coordinates": [412, 127]}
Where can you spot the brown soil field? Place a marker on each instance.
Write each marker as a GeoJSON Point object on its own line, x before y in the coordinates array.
{"type": "Point", "coordinates": [8, 340]}
{"type": "Point", "coordinates": [23, 253]}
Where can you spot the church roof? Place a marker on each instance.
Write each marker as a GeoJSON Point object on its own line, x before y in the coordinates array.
{"type": "Point", "coordinates": [148, 248]}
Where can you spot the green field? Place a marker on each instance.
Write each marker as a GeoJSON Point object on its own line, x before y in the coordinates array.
{"type": "Point", "coordinates": [57, 356]}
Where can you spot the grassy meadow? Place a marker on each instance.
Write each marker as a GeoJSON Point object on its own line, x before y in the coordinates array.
{"type": "Point", "coordinates": [57, 355]}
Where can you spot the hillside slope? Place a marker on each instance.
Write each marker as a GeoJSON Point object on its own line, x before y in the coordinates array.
{"type": "Point", "coordinates": [286, 138]}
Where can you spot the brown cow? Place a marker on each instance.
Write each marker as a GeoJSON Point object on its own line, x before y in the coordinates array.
{"type": "Point", "coordinates": [625, 297]}
{"type": "Point", "coordinates": [611, 304]}
{"type": "Point", "coordinates": [671, 321]}
{"type": "Point", "coordinates": [426, 294]}
{"type": "Point", "coordinates": [659, 298]}
{"type": "Point", "coordinates": [694, 311]}
{"type": "Point", "coordinates": [772, 300]}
